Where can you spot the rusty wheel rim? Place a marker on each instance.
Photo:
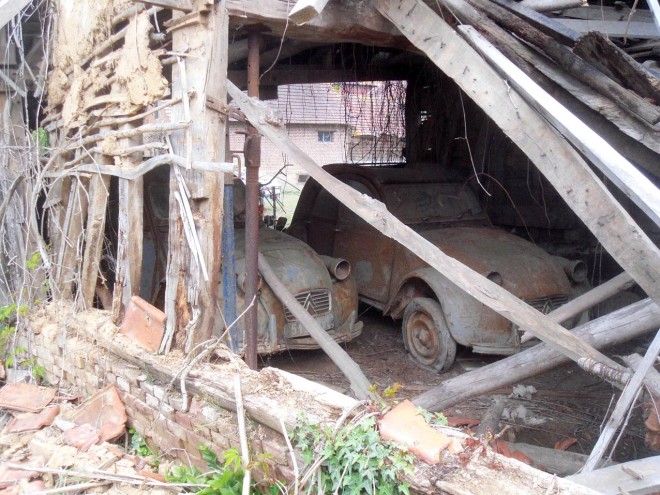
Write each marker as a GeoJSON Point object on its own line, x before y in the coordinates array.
{"type": "Point", "coordinates": [423, 338]}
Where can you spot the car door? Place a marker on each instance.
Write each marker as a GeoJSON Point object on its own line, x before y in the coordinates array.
{"type": "Point", "coordinates": [370, 253]}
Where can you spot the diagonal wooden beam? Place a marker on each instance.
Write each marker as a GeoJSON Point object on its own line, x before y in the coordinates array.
{"type": "Point", "coordinates": [553, 156]}
{"type": "Point", "coordinates": [375, 213]}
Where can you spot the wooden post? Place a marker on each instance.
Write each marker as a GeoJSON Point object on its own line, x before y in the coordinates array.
{"type": "Point", "coordinates": [190, 297]}
{"type": "Point", "coordinates": [551, 154]}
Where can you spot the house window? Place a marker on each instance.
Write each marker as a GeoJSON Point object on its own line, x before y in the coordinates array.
{"type": "Point", "coordinates": [326, 136]}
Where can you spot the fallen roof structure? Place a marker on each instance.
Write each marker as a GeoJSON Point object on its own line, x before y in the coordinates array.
{"type": "Point", "coordinates": [578, 107]}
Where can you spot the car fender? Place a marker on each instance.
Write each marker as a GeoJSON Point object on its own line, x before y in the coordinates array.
{"type": "Point", "coordinates": [470, 322]}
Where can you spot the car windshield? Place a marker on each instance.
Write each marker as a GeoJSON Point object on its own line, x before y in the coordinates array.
{"type": "Point", "coordinates": [420, 203]}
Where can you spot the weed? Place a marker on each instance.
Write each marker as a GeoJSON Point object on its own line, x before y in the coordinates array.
{"type": "Point", "coordinates": [12, 355]}
{"type": "Point", "coordinates": [222, 479]}
{"type": "Point", "coordinates": [356, 460]}
{"type": "Point", "coordinates": [139, 444]}
{"type": "Point", "coordinates": [437, 418]}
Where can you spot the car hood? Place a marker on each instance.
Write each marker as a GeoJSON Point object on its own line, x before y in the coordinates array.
{"type": "Point", "coordinates": [293, 261]}
{"type": "Point", "coordinates": [527, 270]}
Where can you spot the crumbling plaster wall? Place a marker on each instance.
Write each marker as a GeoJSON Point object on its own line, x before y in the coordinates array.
{"type": "Point", "coordinates": [75, 352]}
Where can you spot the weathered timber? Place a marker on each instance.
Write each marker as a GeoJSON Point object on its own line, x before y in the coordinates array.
{"type": "Point", "coordinates": [489, 426]}
{"type": "Point", "coordinates": [359, 383]}
{"type": "Point", "coordinates": [551, 154]}
{"type": "Point", "coordinates": [354, 21]}
{"type": "Point", "coordinates": [559, 462]}
{"type": "Point", "coordinates": [624, 403]}
{"type": "Point", "coordinates": [599, 51]}
{"type": "Point", "coordinates": [546, 24]}
{"type": "Point", "coordinates": [305, 10]}
{"type": "Point", "coordinates": [614, 328]}
{"type": "Point", "coordinates": [99, 187]}
{"type": "Point", "coordinates": [615, 29]}
{"type": "Point", "coordinates": [574, 65]}
{"type": "Point", "coordinates": [620, 171]}
{"type": "Point", "coordinates": [633, 477]}
{"type": "Point", "coordinates": [375, 213]}
{"type": "Point", "coordinates": [191, 292]}
{"type": "Point", "coordinates": [652, 380]}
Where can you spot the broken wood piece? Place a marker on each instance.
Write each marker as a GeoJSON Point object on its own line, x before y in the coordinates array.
{"type": "Point", "coordinates": [25, 397]}
{"type": "Point", "coordinates": [614, 480]}
{"type": "Point", "coordinates": [652, 380]}
{"type": "Point", "coordinates": [182, 5]}
{"type": "Point", "coordinates": [559, 462]}
{"type": "Point", "coordinates": [143, 323]}
{"type": "Point", "coordinates": [406, 426]}
{"type": "Point", "coordinates": [359, 383]}
{"type": "Point", "coordinates": [608, 160]}
{"type": "Point", "coordinates": [619, 326]}
{"type": "Point", "coordinates": [305, 10]}
{"type": "Point", "coordinates": [548, 25]}
{"type": "Point", "coordinates": [625, 401]}
{"type": "Point", "coordinates": [588, 300]}
{"type": "Point", "coordinates": [489, 426]}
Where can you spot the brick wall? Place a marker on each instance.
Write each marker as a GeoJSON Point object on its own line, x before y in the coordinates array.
{"type": "Point", "coordinates": [83, 352]}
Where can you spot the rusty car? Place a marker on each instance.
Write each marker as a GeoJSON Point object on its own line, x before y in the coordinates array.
{"type": "Point", "coordinates": [435, 314]}
{"type": "Point", "coordinates": [324, 286]}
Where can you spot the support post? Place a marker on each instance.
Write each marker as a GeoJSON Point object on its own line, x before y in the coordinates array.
{"type": "Point", "coordinates": [252, 220]}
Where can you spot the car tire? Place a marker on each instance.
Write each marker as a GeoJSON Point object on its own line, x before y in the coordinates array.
{"type": "Point", "coordinates": [426, 335]}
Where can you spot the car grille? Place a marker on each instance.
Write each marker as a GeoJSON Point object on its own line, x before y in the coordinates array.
{"type": "Point", "coordinates": [316, 302]}
{"type": "Point", "coordinates": [547, 304]}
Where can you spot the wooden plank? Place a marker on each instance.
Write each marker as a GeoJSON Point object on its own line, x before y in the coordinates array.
{"type": "Point", "coordinates": [623, 478]}
{"type": "Point", "coordinates": [550, 5]}
{"type": "Point", "coordinates": [191, 293]}
{"type": "Point", "coordinates": [625, 402]}
{"type": "Point", "coordinates": [614, 328]}
{"type": "Point", "coordinates": [375, 213]}
{"type": "Point", "coordinates": [305, 10]}
{"type": "Point", "coordinates": [553, 156]}
{"type": "Point", "coordinates": [613, 29]}
{"type": "Point", "coordinates": [620, 171]}
{"type": "Point", "coordinates": [358, 382]}
{"type": "Point", "coordinates": [607, 13]}
{"type": "Point", "coordinates": [10, 9]}
{"type": "Point", "coordinates": [548, 25]}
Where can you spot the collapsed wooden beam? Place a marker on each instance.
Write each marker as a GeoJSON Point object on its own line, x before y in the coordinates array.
{"type": "Point", "coordinates": [350, 369]}
{"type": "Point", "coordinates": [614, 328]}
{"type": "Point", "coordinates": [375, 213]}
{"type": "Point", "coordinates": [553, 156]}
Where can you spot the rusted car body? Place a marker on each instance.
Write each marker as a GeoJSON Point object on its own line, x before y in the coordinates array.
{"type": "Point", "coordinates": [436, 314]}
{"type": "Point", "coordinates": [323, 285]}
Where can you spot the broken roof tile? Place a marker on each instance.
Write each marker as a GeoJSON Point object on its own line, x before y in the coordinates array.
{"type": "Point", "coordinates": [25, 397]}
{"type": "Point", "coordinates": [32, 421]}
{"type": "Point", "coordinates": [105, 411]}
{"type": "Point", "coordinates": [144, 323]}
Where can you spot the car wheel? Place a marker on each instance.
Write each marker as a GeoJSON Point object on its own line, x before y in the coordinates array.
{"type": "Point", "coordinates": [426, 335]}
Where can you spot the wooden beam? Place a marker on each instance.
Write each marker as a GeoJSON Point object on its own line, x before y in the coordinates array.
{"type": "Point", "coordinates": [358, 382]}
{"type": "Point", "coordinates": [553, 156]}
{"type": "Point", "coordinates": [613, 29]}
{"type": "Point", "coordinates": [548, 25]}
{"type": "Point", "coordinates": [306, 10]}
{"type": "Point", "coordinates": [375, 213]}
{"type": "Point", "coordinates": [616, 168]}
{"type": "Point", "coordinates": [550, 5]}
{"type": "Point", "coordinates": [633, 477]}
{"type": "Point", "coordinates": [614, 328]}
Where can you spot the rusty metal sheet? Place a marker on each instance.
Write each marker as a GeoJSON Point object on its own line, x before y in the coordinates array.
{"type": "Point", "coordinates": [25, 397]}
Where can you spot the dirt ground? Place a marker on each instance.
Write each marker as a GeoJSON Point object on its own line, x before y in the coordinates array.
{"type": "Point", "coordinates": [568, 402]}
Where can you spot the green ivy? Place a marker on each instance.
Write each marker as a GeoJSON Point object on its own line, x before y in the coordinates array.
{"type": "Point", "coordinates": [356, 460]}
